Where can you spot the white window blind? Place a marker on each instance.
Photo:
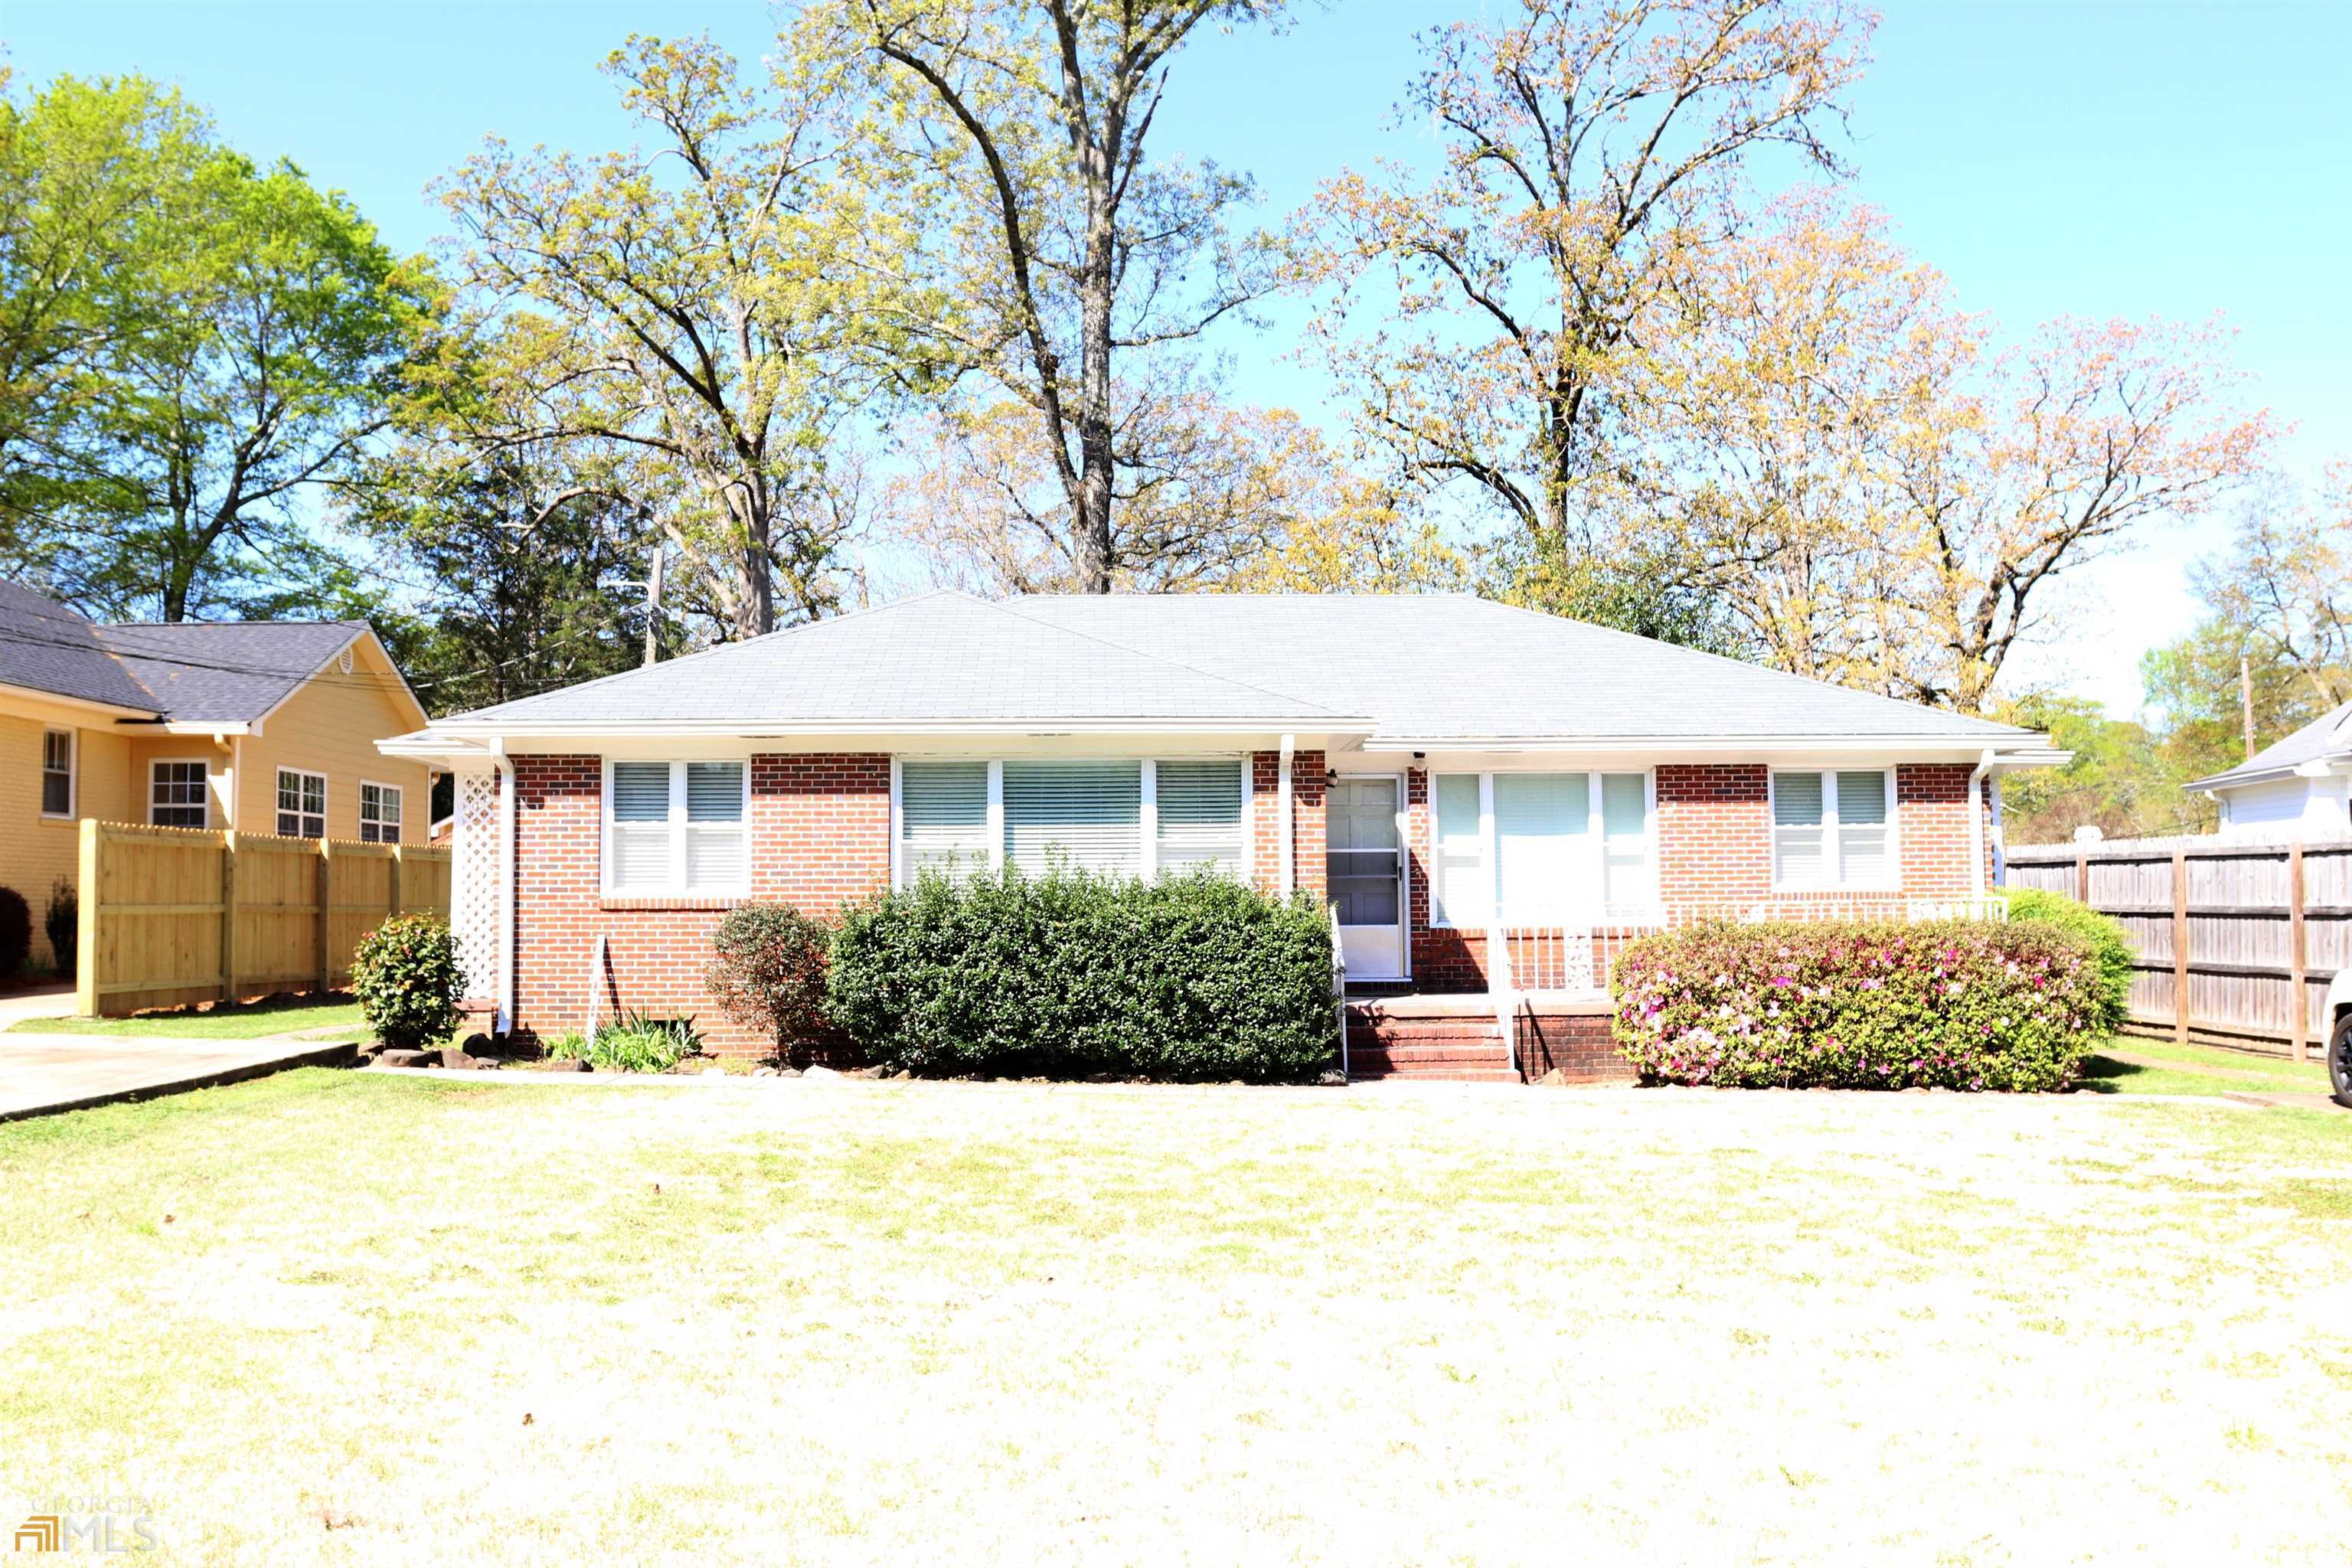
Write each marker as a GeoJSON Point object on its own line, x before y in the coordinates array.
{"type": "Point", "coordinates": [1462, 894]}
{"type": "Point", "coordinates": [1200, 809]}
{"type": "Point", "coordinates": [1630, 879]}
{"type": "Point", "coordinates": [942, 817]}
{"type": "Point", "coordinates": [677, 828]}
{"type": "Point", "coordinates": [1543, 855]}
{"type": "Point", "coordinates": [301, 804]}
{"type": "Point", "coordinates": [57, 773]}
{"type": "Point", "coordinates": [1086, 816]}
{"type": "Point", "coordinates": [1832, 830]}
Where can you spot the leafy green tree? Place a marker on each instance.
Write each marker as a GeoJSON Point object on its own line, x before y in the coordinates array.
{"type": "Point", "coordinates": [235, 359]}
{"type": "Point", "coordinates": [2117, 780]}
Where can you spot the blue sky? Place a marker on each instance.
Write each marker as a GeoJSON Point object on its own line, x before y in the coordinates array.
{"type": "Point", "coordinates": [2099, 160]}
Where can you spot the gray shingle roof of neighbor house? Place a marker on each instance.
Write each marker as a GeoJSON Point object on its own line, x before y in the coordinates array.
{"type": "Point", "coordinates": [189, 672]}
{"type": "Point", "coordinates": [1431, 667]}
{"type": "Point", "coordinates": [2329, 735]}
{"type": "Point", "coordinates": [226, 672]}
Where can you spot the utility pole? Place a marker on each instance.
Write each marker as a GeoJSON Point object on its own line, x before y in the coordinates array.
{"type": "Point", "coordinates": [2245, 696]}
{"type": "Point", "coordinates": [653, 611]}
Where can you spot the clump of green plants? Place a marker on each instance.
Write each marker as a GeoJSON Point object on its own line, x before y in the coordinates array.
{"type": "Point", "coordinates": [406, 980]}
{"type": "Point", "coordinates": [2110, 944]}
{"type": "Point", "coordinates": [1964, 1004]}
{"type": "Point", "coordinates": [769, 974]}
{"type": "Point", "coordinates": [631, 1043]}
{"type": "Point", "coordinates": [63, 924]}
{"type": "Point", "coordinates": [1072, 974]}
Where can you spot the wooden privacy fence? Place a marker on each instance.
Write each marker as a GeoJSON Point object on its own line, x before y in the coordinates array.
{"type": "Point", "coordinates": [2236, 941]}
{"type": "Point", "coordinates": [176, 915]}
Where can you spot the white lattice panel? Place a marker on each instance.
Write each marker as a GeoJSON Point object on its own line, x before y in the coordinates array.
{"type": "Point", "coordinates": [474, 891]}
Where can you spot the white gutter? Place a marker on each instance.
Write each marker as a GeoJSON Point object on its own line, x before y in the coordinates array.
{"type": "Point", "coordinates": [1283, 829]}
{"type": "Point", "coordinates": [504, 1022]}
{"type": "Point", "coordinates": [1977, 823]}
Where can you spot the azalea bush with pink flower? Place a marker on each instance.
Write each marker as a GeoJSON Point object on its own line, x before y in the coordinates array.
{"type": "Point", "coordinates": [1963, 1005]}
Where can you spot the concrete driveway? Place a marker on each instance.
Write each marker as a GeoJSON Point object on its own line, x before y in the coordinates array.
{"type": "Point", "coordinates": [42, 1073]}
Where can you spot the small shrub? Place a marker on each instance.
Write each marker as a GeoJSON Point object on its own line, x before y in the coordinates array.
{"type": "Point", "coordinates": [768, 973]}
{"type": "Point", "coordinates": [1961, 1005]}
{"type": "Point", "coordinates": [2110, 945]}
{"type": "Point", "coordinates": [632, 1043]}
{"type": "Point", "coordinates": [1075, 975]}
{"type": "Point", "coordinates": [15, 932]}
{"type": "Point", "coordinates": [407, 981]}
{"type": "Point", "coordinates": [63, 925]}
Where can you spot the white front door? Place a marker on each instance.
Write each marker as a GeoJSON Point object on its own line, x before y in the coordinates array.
{"type": "Point", "coordinates": [1364, 859]}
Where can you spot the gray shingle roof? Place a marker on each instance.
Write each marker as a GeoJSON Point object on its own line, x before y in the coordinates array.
{"type": "Point", "coordinates": [226, 672]}
{"type": "Point", "coordinates": [1440, 667]}
{"type": "Point", "coordinates": [940, 657]}
{"type": "Point", "coordinates": [191, 671]}
{"type": "Point", "coordinates": [1415, 667]}
{"type": "Point", "coordinates": [2329, 735]}
{"type": "Point", "coordinates": [47, 647]}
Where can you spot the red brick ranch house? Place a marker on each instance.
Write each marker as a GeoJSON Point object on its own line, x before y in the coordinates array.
{"type": "Point", "coordinates": [1490, 800]}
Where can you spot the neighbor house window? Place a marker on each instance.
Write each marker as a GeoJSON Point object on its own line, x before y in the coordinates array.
{"type": "Point", "coordinates": [379, 813]}
{"type": "Point", "coordinates": [1119, 819]}
{"type": "Point", "coordinates": [1833, 830]}
{"type": "Point", "coordinates": [57, 773]}
{"type": "Point", "coordinates": [677, 828]}
{"type": "Point", "coordinates": [177, 795]}
{"type": "Point", "coordinates": [301, 804]}
{"type": "Point", "coordinates": [1541, 849]}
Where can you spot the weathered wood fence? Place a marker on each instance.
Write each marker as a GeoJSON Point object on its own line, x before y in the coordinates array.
{"type": "Point", "coordinates": [2237, 942]}
{"type": "Point", "coordinates": [176, 915]}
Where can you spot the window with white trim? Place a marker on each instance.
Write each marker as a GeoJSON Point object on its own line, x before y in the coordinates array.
{"type": "Point", "coordinates": [301, 804]}
{"type": "Point", "coordinates": [1116, 818]}
{"type": "Point", "coordinates": [1833, 830]}
{"type": "Point", "coordinates": [1547, 847]}
{"type": "Point", "coordinates": [178, 795]}
{"type": "Point", "coordinates": [678, 828]}
{"type": "Point", "coordinates": [57, 773]}
{"type": "Point", "coordinates": [379, 813]}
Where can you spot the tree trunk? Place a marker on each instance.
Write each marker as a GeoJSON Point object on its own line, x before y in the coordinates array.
{"type": "Point", "coordinates": [1092, 554]}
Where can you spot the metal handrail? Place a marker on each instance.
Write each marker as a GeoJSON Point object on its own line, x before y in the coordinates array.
{"type": "Point", "coordinates": [1339, 986]}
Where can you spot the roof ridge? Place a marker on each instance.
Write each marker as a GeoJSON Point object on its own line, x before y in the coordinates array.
{"type": "Point", "coordinates": [1317, 709]}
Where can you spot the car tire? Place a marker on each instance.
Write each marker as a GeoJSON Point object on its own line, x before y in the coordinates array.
{"type": "Point", "coordinates": [2339, 1061]}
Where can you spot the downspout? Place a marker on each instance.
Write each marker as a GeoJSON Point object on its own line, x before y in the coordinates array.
{"type": "Point", "coordinates": [1977, 823]}
{"type": "Point", "coordinates": [2000, 839]}
{"type": "Point", "coordinates": [1285, 833]}
{"type": "Point", "coordinates": [504, 1022]}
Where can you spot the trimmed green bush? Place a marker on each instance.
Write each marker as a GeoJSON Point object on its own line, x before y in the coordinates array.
{"type": "Point", "coordinates": [15, 932]}
{"type": "Point", "coordinates": [407, 981]}
{"type": "Point", "coordinates": [1966, 1004]}
{"type": "Point", "coordinates": [2110, 944]}
{"type": "Point", "coordinates": [632, 1043]}
{"type": "Point", "coordinates": [768, 973]}
{"type": "Point", "coordinates": [1073, 975]}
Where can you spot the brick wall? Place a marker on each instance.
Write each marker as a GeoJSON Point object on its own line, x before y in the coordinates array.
{"type": "Point", "coordinates": [1307, 792]}
{"type": "Point", "coordinates": [820, 834]}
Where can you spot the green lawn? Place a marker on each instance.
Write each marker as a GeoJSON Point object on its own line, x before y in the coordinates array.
{"type": "Point", "coordinates": [2163, 1067]}
{"type": "Point", "coordinates": [249, 1022]}
{"type": "Point", "coordinates": [359, 1317]}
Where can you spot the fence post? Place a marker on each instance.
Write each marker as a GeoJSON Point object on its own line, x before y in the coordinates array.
{"type": "Point", "coordinates": [323, 919]}
{"type": "Point", "coordinates": [86, 923]}
{"type": "Point", "coordinates": [2082, 876]}
{"type": "Point", "coordinates": [398, 892]}
{"type": "Point", "coordinates": [228, 916]}
{"type": "Point", "coordinates": [2298, 1023]}
{"type": "Point", "coordinates": [2180, 947]}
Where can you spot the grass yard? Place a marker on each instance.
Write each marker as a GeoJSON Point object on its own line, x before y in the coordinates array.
{"type": "Point", "coordinates": [2134, 1065]}
{"type": "Point", "coordinates": [249, 1021]}
{"type": "Point", "coordinates": [360, 1318]}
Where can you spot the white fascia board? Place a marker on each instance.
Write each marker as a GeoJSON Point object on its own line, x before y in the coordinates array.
{"type": "Point", "coordinates": [771, 729]}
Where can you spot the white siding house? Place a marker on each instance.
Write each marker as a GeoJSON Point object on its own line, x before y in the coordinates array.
{"type": "Point", "coordinates": [2297, 789]}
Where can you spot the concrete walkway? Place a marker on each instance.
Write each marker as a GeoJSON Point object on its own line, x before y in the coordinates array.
{"type": "Point", "coordinates": [44, 1073]}
{"type": "Point", "coordinates": [48, 1001]}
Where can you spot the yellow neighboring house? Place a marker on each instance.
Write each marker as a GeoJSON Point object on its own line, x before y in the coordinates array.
{"type": "Point", "coordinates": [262, 726]}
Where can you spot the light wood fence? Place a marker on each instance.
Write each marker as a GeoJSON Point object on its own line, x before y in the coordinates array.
{"type": "Point", "coordinates": [176, 915]}
{"type": "Point", "coordinates": [2237, 942]}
